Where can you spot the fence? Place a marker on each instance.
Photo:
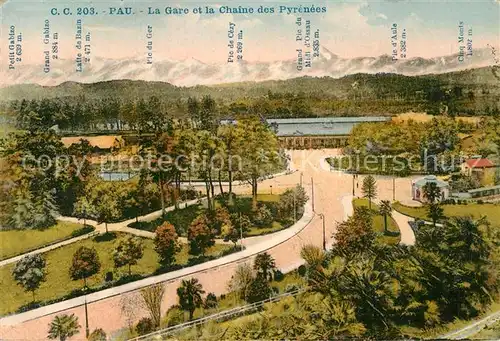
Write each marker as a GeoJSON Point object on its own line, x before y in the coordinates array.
{"type": "Point", "coordinates": [230, 313]}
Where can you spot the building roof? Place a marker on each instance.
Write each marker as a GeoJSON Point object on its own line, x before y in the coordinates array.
{"type": "Point", "coordinates": [321, 126]}
{"type": "Point", "coordinates": [102, 142]}
{"type": "Point", "coordinates": [430, 179]}
{"type": "Point", "coordinates": [479, 163]}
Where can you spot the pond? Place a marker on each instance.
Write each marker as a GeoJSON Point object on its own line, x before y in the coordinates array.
{"type": "Point", "coordinates": [116, 176]}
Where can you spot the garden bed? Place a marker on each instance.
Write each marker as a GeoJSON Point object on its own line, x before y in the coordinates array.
{"type": "Point", "coordinates": [393, 235]}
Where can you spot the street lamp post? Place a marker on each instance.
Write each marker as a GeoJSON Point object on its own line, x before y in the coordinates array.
{"type": "Point", "coordinates": [394, 188]}
{"type": "Point", "coordinates": [271, 186]}
{"type": "Point", "coordinates": [294, 209]}
{"type": "Point", "coordinates": [241, 233]}
{"type": "Point", "coordinates": [353, 177]}
{"type": "Point", "coordinates": [324, 231]}
{"type": "Point", "coordinates": [312, 193]}
{"type": "Point", "coordinates": [86, 318]}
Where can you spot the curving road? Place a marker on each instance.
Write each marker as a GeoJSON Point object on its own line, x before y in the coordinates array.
{"type": "Point", "coordinates": [330, 192]}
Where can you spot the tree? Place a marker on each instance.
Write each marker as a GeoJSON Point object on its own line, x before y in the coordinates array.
{"type": "Point", "coordinates": [313, 256]}
{"type": "Point", "coordinates": [83, 209]}
{"type": "Point", "coordinates": [98, 335]}
{"type": "Point", "coordinates": [290, 200]}
{"type": "Point", "coordinates": [355, 235]}
{"type": "Point", "coordinates": [100, 201]}
{"type": "Point", "coordinates": [189, 294]}
{"type": "Point", "coordinates": [30, 188]}
{"type": "Point", "coordinates": [241, 280]}
{"type": "Point", "coordinates": [385, 211]}
{"type": "Point", "coordinates": [239, 226]}
{"type": "Point", "coordinates": [152, 298]}
{"type": "Point", "coordinates": [264, 265]}
{"type": "Point", "coordinates": [219, 220]}
{"type": "Point", "coordinates": [208, 147]}
{"type": "Point", "coordinates": [231, 138]}
{"type": "Point", "coordinates": [369, 189]}
{"type": "Point", "coordinates": [259, 150]}
{"type": "Point", "coordinates": [85, 264]}
{"type": "Point", "coordinates": [435, 212]}
{"type": "Point", "coordinates": [63, 327]}
{"type": "Point", "coordinates": [128, 252]}
{"type": "Point", "coordinates": [200, 235]}
{"type": "Point", "coordinates": [455, 261]}
{"type": "Point", "coordinates": [106, 206]}
{"type": "Point", "coordinates": [29, 272]}
{"type": "Point", "coordinates": [259, 290]}
{"type": "Point", "coordinates": [166, 244]}
{"type": "Point", "coordinates": [431, 192]}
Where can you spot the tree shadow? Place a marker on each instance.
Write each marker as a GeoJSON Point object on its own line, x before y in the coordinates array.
{"type": "Point", "coordinates": [106, 237]}
{"type": "Point", "coordinates": [392, 233]}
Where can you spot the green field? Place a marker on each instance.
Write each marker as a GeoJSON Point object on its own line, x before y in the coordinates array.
{"type": "Point", "coordinates": [378, 224]}
{"type": "Point", "coordinates": [16, 242]}
{"type": "Point", "coordinates": [491, 211]}
{"type": "Point", "coordinates": [58, 282]}
{"type": "Point", "coordinates": [183, 217]}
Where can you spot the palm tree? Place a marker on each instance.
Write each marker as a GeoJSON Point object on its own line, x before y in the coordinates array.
{"type": "Point", "coordinates": [264, 265]}
{"type": "Point", "coordinates": [63, 327]}
{"type": "Point", "coordinates": [431, 192]}
{"type": "Point", "coordinates": [189, 294]}
{"type": "Point", "coordinates": [385, 210]}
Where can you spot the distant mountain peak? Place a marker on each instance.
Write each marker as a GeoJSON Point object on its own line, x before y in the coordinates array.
{"type": "Point", "coordinates": [192, 71]}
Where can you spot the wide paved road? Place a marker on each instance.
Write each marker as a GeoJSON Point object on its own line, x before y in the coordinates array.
{"type": "Point", "coordinates": [330, 189]}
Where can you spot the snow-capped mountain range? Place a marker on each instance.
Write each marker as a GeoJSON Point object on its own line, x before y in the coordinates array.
{"type": "Point", "coordinates": [191, 72]}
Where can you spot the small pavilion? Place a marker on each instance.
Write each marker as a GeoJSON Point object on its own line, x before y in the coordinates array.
{"type": "Point", "coordinates": [417, 187]}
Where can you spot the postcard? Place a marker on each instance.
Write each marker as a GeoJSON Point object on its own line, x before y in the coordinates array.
{"type": "Point", "coordinates": [253, 170]}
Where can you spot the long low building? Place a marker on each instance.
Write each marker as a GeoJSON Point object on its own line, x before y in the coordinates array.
{"type": "Point", "coordinates": [325, 132]}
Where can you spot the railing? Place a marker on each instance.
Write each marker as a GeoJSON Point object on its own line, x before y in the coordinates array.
{"type": "Point", "coordinates": [217, 316]}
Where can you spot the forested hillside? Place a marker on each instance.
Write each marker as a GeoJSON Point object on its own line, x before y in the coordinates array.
{"type": "Point", "coordinates": [120, 104]}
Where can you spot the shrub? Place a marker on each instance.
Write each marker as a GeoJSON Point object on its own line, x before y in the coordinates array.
{"type": "Point", "coordinates": [84, 230]}
{"type": "Point", "coordinates": [259, 290]}
{"type": "Point", "coordinates": [144, 326]}
{"type": "Point", "coordinates": [480, 202]}
{"type": "Point", "coordinates": [97, 335]}
{"type": "Point", "coordinates": [189, 193]}
{"type": "Point", "coordinates": [174, 316]}
{"type": "Point", "coordinates": [262, 216]}
{"type": "Point", "coordinates": [291, 287]}
{"type": "Point", "coordinates": [210, 301]}
{"type": "Point", "coordinates": [109, 276]}
{"type": "Point", "coordinates": [278, 276]}
{"type": "Point", "coordinates": [302, 270]}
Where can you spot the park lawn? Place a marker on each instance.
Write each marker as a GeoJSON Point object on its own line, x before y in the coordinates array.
{"type": "Point", "coordinates": [491, 211]}
{"type": "Point", "coordinates": [183, 217]}
{"type": "Point", "coordinates": [16, 242]}
{"type": "Point", "coordinates": [258, 231]}
{"type": "Point", "coordinates": [378, 224]}
{"type": "Point", "coordinates": [58, 282]}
